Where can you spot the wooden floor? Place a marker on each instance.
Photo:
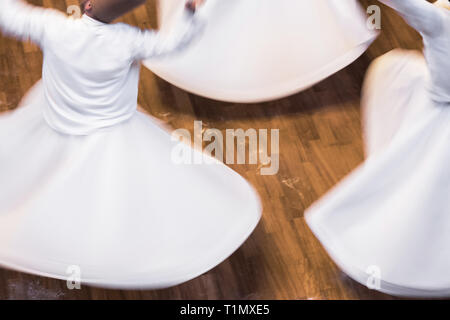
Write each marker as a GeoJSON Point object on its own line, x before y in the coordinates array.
{"type": "Point", "coordinates": [320, 142]}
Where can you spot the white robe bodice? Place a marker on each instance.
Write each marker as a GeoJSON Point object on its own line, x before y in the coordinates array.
{"type": "Point", "coordinates": [433, 23]}
{"type": "Point", "coordinates": [91, 69]}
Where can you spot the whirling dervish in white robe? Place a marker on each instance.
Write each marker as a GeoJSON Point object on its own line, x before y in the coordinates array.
{"type": "Point", "coordinates": [88, 186]}
{"type": "Point", "coordinates": [387, 225]}
{"type": "Point", "coordinates": [261, 50]}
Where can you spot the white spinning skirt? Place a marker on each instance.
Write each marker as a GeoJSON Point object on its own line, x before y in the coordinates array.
{"type": "Point", "coordinates": [259, 50]}
{"type": "Point", "coordinates": [113, 204]}
{"type": "Point", "coordinates": [387, 225]}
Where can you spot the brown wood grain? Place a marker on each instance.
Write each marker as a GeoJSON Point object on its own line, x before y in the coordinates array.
{"type": "Point", "coordinates": [320, 142]}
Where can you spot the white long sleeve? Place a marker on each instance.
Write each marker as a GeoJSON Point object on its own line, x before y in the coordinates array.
{"type": "Point", "coordinates": [433, 22]}
{"type": "Point", "coordinates": [419, 14]}
{"type": "Point", "coordinates": [153, 44]}
{"type": "Point", "coordinates": [27, 22]}
{"type": "Point", "coordinates": [24, 21]}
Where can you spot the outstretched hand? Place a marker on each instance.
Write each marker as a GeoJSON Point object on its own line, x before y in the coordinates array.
{"type": "Point", "coordinates": [192, 5]}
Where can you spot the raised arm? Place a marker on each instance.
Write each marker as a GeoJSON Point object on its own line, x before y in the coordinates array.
{"type": "Point", "coordinates": [24, 21]}
{"type": "Point", "coordinates": [152, 44]}
{"type": "Point", "coordinates": [419, 14]}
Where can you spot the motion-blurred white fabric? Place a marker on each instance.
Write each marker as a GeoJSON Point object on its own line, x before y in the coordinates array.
{"type": "Point", "coordinates": [387, 225]}
{"type": "Point", "coordinates": [258, 50]}
{"type": "Point", "coordinates": [89, 182]}
{"type": "Point", "coordinates": [91, 69]}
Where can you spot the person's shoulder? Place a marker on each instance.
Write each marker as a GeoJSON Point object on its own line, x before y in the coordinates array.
{"type": "Point", "coordinates": [126, 31]}
{"type": "Point", "coordinates": [124, 27]}
{"type": "Point", "coordinates": [56, 21]}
